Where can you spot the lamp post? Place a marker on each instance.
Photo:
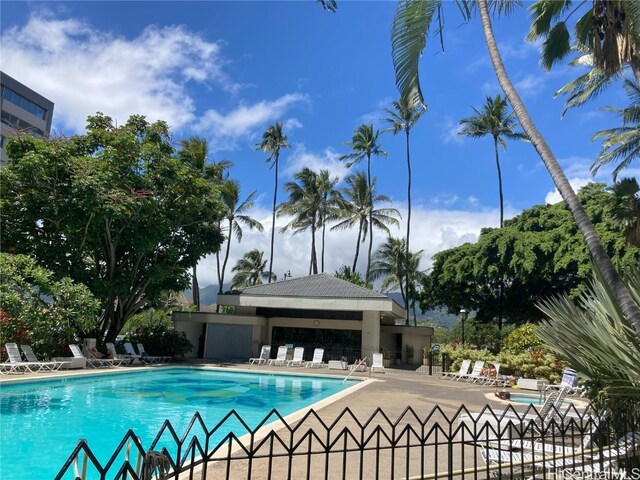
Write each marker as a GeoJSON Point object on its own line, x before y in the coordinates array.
{"type": "Point", "coordinates": [463, 316]}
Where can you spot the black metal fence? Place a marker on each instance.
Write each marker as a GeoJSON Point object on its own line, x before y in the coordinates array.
{"type": "Point", "coordinates": [460, 444]}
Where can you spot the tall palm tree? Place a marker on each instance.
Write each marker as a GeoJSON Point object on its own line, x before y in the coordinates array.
{"type": "Point", "coordinates": [273, 140]}
{"type": "Point", "coordinates": [356, 210]}
{"type": "Point", "coordinates": [495, 121]}
{"type": "Point", "coordinates": [403, 115]}
{"type": "Point", "coordinates": [621, 144]}
{"type": "Point", "coordinates": [304, 204]}
{"type": "Point", "coordinates": [235, 216]}
{"type": "Point", "coordinates": [331, 201]}
{"type": "Point", "coordinates": [365, 144]}
{"type": "Point", "coordinates": [250, 270]}
{"type": "Point", "coordinates": [626, 208]}
{"type": "Point", "coordinates": [409, 31]}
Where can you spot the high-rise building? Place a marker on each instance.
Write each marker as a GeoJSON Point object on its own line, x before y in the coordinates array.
{"type": "Point", "coordinates": [23, 111]}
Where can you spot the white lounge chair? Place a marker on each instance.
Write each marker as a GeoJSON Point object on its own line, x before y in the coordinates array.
{"type": "Point", "coordinates": [131, 353]}
{"type": "Point", "coordinates": [16, 364]}
{"type": "Point", "coordinates": [569, 381]}
{"type": "Point", "coordinates": [281, 357]}
{"type": "Point", "coordinates": [265, 353]}
{"type": "Point", "coordinates": [377, 363]}
{"type": "Point", "coordinates": [318, 355]}
{"type": "Point", "coordinates": [92, 362]}
{"type": "Point", "coordinates": [152, 358]}
{"type": "Point", "coordinates": [476, 372]}
{"type": "Point", "coordinates": [464, 369]}
{"type": "Point", "coordinates": [298, 357]}
{"type": "Point", "coordinates": [46, 365]}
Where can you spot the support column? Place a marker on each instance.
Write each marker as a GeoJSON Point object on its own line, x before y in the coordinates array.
{"type": "Point", "coordinates": [370, 333]}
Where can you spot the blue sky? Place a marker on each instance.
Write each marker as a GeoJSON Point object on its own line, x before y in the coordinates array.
{"type": "Point", "coordinates": [227, 70]}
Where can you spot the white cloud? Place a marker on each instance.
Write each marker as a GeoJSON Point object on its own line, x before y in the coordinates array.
{"type": "Point", "coordinates": [326, 160]}
{"type": "Point", "coordinates": [431, 231]}
{"type": "Point", "coordinates": [291, 123]}
{"type": "Point", "coordinates": [376, 116]}
{"type": "Point", "coordinates": [576, 183]}
{"type": "Point", "coordinates": [531, 84]}
{"type": "Point", "coordinates": [445, 199]}
{"type": "Point", "coordinates": [450, 131]}
{"type": "Point", "coordinates": [84, 70]}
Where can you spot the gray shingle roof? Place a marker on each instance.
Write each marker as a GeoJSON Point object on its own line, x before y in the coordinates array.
{"type": "Point", "coordinates": [321, 285]}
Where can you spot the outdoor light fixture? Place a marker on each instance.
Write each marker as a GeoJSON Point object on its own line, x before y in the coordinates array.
{"type": "Point", "coordinates": [463, 316]}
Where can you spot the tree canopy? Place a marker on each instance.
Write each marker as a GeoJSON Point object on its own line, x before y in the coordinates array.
{"type": "Point", "coordinates": [535, 255]}
{"type": "Point", "coordinates": [115, 209]}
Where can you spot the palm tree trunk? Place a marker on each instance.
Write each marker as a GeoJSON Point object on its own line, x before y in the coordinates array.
{"type": "Point", "coordinates": [314, 256]}
{"type": "Point", "coordinates": [219, 278]}
{"type": "Point", "coordinates": [406, 279]}
{"type": "Point", "coordinates": [273, 221]}
{"type": "Point", "coordinates": [495, 144]}
{"type": "Point", "coordinates": [601, 260]}
{"type": "Point", "coordinates": [355, 259]}
{"type": "Point", "coordinates": [226, 257]}
{"type": "Point", "coordinates": [324, 227]}
{"type": "Point", "coordinates": [366, 277]}
{"type": "Point", "coordinates": [195, 289]}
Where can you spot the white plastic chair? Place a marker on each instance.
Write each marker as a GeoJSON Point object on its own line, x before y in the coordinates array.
{"type": "Point", "coordinates": [152, 358]}
{"type": "Point", "coordinates": [45, 366]}
{"type": "Point", "coordinates": [377, 363]}
{"type": "Point", "coordinates": [464, 369]}
{"type": "Point", "coordinates": [318, 355]}
{"type": "Point", "coordinates": [281, 358]}
{"type": "Point", "coordinates": [92, 362]}
{"type": "Point", "coordinates": [298, 356]}
{"type": "Point", "coordinates": [476, 372]}
{"type": "Point", "coordinates": [265, 353]}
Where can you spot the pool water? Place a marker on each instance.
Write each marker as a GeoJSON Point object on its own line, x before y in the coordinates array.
{"type": "Point", "coordinates": [531, 399]}
{"type": "Point", "coordinates": [42, 422]}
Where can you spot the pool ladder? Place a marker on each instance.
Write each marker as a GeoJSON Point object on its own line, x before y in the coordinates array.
{"type": "Point", "coordinates": [355, 369]}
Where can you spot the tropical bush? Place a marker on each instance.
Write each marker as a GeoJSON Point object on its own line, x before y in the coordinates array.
{"type": "Point", "coordinates": [37, 310]}
{"type": "Point", "coordinates": [522, 339]}
{"type": "Point", "coordinates": [159, 340]}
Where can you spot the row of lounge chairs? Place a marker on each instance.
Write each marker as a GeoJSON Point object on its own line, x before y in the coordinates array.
{"type": "Point", "coordinates": [298, 359]}
{"type": "Point", "coordinates": [16, 364]}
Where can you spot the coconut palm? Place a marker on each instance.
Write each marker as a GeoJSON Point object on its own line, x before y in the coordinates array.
{"type": "Point", "coordinates": [626, 210]}
{"type": "Point", "coordinates": [356, 210]}
{"type": "Point", "coordinates": [236, 218]}
{"type": "Point", "coordinates": [493, 120]}
{"type": "Point", "coordinates": [409, 30]}
{"type": "Point", "coordinates": [621, 144]}
{"type": "Point", "coordinates": [402, 117]}
{"type": "Point", "coordinates": [250, 270]}
{"type": "Point", "coordinates": [365, 144]}
{"type": "Point", "coordinates": [304, 204]}
{"type": "Point", "coordinates": [273, 140]}
{"type": "Point", "coordinates": [331, 201]}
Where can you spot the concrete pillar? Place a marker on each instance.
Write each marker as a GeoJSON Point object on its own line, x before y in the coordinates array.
{"type": "Point", "coordinates": [370, 333]}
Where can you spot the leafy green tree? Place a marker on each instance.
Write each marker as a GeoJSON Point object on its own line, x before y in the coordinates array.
{"type": "Point", "coordinates": [356, 210]}
{"type": "Point", "coordinates": [250, 270]}
{"type": "Point", "coordinates": [38, 310]}
{"type": "Point", "coordinates": [403, 115]}
{"type": "Point", "coordinates": [365, 144]}
{"type": "Point", "coordinates": [113, 209]}
{"type": "Point", "coordinates": [493, 120]}
{"type": "Point", "coordinates": [408, 39]}
{"type": "Point", "coordinates": [345, 273]}
{"type": "Point", "coordinates": [273, 140]}
{"type": "Point", "coordinates": [236, 218]}
{"type": "Point", "coordinates": [536, 254]}
{"type": "Point", "coordinates": [621, 144]}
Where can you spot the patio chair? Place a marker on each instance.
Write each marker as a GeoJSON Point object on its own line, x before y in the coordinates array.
{"type": "Point", "coordinates": [318, 355]}
{"type": "Point", "coordinates": [131, 353]}
{"type": "Point", "coordinates": [570, 381]}
{"type": "Point", "coordinates": [377, 363]}
{"type": "Point", "coordinates": [152, 358]}
{"type": "Point", "coordinates": [464, 369]}
{"type": "Point", "coordinates": [46, 365]}
{"type": "Point", "coordinates": [16, 364]}
{"type": "Point", "coordinates": [281, 357]}
{"type": "Point", "coordinates": [118, 359]}
{"type": "Point", "coordinates": [265, 353]}
{"type": "Point", "coordinates": [91, 361]}
{"type": "Point", "coordinates": [476, 373]}
{"type": "Point", "coordinates": [298, 357]}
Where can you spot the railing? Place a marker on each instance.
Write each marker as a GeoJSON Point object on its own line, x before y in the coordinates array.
{"type": "Point", "coordinates": [441, 445]}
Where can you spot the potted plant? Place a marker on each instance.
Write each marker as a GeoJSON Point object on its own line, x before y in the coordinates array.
{"type": "Point", "coordinates": [386, 357]}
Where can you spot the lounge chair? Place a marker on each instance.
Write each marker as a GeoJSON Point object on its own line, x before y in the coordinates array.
{"type": "Point", "coordinates": [281, 358]}
{"type": "Point", "coordinates": [16, 364]}
{"type": "Point", "coordinates": [91, 361]}
{"type": "Point", "coordinates": [46, 366]}
{"type": "Point", "coordinates": [116, 357]}
{"type": "Point", "coordinates": [152, 358]}
{"type": "Point", "coordinates": [265, 353]}
{"type": "Point", "coordinates": [464, 369]}
{"type": "Point", "coordinates": [131, 353]}
{"type": "Point", "coordinates": [318, 355]}
{"type": "Point", "coordinates": [569, 381]}
{"type": "Point", "coordinates": [298, 357]}
{"type": "Point", "coordinates": [476, 373]}
{"type": "Point", "coordinates": [377, 363]}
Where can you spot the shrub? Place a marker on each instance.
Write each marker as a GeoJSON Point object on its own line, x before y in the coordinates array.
{"type": "Point", "coordinates": [522, 339]}
{"type": "Point", "coordinates": [159, 340]}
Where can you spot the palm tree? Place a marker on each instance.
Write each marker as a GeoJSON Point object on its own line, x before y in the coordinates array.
{"type": "Point", "coordinates": [409, 31]}
{"type": "Point", "coordinates": [356, 210]}
{"type": "Point", "coordinates": [626, 209]}
{"type": "Point", "coordinates": [236, 218]}
{"type": "Point", "coordinates": [331, 200]}
{"type": "Point", "coordinates": [365, 144]}
{"type": "Point", "coordinates": [304, 204]}
{"type": "Point", "coordinates": [493, 120]}
{"type": "Point", "coordinates": [250, 270]}
{"type": "Point", "coordinates": [402, 117]}
{"type": "Point", "coordinates": [621, 144]}
{"type": "Point", "coordinates": [273, 140]}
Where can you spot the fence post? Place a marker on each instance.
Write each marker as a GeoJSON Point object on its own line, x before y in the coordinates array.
{"type": "Point", "coordinates": [430, 362]}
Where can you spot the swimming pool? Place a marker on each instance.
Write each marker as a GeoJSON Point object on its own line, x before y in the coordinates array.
{"type": "Point", "coordinates": [44, 420]}
{"type": "Point", "coordinates": [531, 399]}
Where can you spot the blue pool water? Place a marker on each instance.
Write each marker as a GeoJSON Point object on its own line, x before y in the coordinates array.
{"type": "Point", "coordinates": [41, 423]}
{"type": "Point", "coordinates": [531, 399]}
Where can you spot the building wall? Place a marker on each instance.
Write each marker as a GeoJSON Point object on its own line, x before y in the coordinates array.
{"type": "Point", "coordinates": [18, 112]}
